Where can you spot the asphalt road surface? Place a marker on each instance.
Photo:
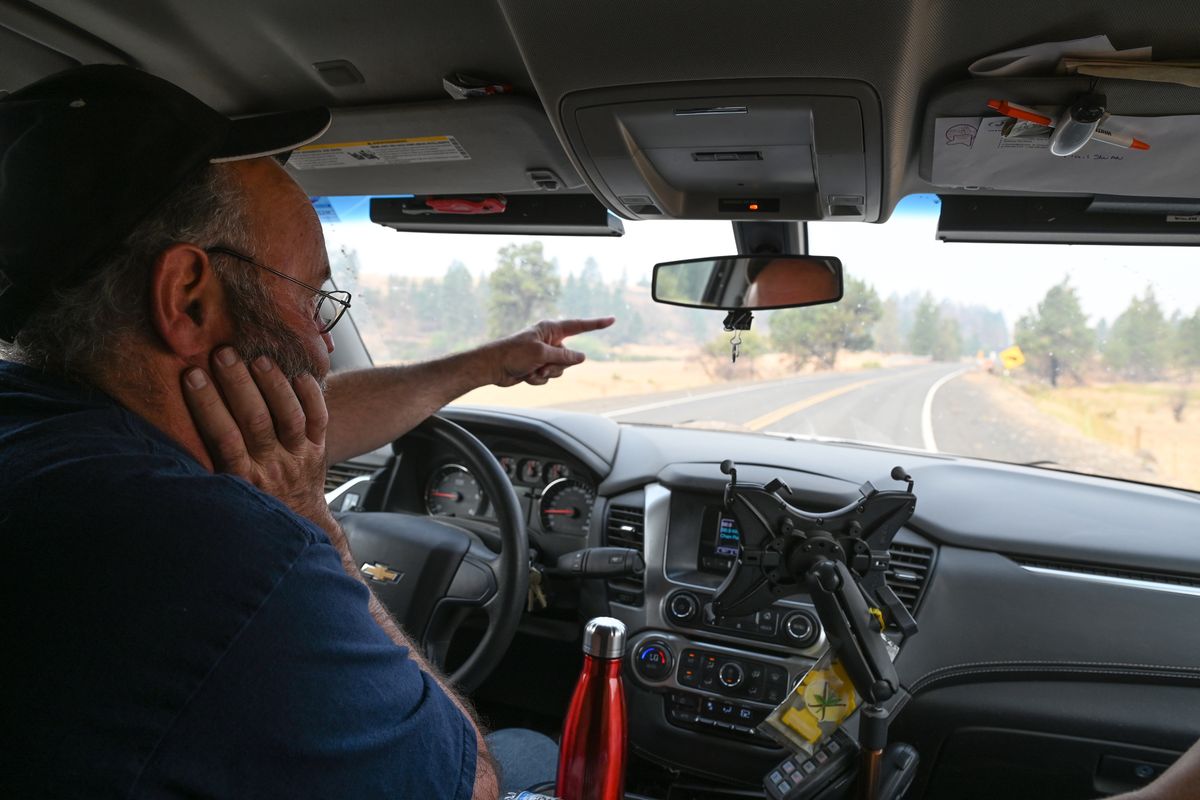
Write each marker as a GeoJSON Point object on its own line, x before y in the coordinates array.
{"type": "Point", "coordinates": [893, 406]}
{"type": "Point", "coordinates": [935, 407]}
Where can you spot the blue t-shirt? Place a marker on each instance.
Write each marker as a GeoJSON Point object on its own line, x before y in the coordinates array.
{"type": "Point", "coordinates": [170, 632]}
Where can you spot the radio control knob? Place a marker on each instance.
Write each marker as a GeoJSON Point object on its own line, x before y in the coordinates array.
{"type": "Point", "coordinates": [800, 628]}
{"type": "Point", "coordinates": [731, 675]}
{"type": "Point", "coordinates": [683, 607]}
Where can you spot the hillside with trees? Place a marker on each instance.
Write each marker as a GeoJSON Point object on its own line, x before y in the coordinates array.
{"type": "Point", "coordinates": [407, 319]}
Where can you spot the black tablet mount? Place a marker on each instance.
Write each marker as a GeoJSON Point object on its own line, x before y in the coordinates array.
{"type": "Point", "coordinates": [840, 559]}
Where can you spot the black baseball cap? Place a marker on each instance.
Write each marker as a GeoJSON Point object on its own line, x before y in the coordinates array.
{"type": "Point", "coordinates": [86, 154]}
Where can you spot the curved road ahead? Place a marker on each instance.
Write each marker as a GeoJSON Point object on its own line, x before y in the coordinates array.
{"type": "Point", "coordinates": [935, 407]}
{"type": "Point", "coordinates": [890, 406]}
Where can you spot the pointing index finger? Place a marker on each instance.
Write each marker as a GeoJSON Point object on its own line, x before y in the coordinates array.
{"type": "Point", "coordinates": [570, 327]}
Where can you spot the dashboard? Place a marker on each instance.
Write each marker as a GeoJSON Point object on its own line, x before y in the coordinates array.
{"type": "Point", "coordinates": [1049, 604]}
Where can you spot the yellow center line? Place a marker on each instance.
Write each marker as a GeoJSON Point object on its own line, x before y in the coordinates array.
{"type": "Point", "coordinates": [771, 417]}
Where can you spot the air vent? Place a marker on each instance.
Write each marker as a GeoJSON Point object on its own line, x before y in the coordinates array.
{"type": "Point", "coordinates": [626, 527]}
{"type": "Point", "coordinates": [909, 572]}
{"type": "Point", "coordinates": [337, 474]}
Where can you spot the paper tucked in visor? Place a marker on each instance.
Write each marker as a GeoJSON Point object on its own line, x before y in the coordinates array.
{"type": "Point", "coordinates": [971, 152]}
{"type": "Point", "coordinates": [1042, 59]}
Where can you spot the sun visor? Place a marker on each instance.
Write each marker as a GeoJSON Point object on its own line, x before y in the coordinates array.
{"type": "Point", "coordinates": [501, 144]}
{"type": "Point", "coordinates": [968, 100]}
{"type": "Point", "coordinates": [1069, 220]}
{"type": "Point", "coordinates": [770, 149]}
{"type": "Point", "coordinates": [558, 214]}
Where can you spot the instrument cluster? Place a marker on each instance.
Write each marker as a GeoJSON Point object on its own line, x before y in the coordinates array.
{"type": "Point", "coordinates": [556, 497]}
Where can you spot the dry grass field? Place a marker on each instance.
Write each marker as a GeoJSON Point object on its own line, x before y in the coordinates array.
{"type": "Point", "coordinates": [1137, 418]}
{"type": "Point", "coordinates": [643, 370]}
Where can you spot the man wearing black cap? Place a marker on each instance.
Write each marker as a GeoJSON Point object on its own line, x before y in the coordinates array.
{"type": "Point", "coordinates": [184, 615]}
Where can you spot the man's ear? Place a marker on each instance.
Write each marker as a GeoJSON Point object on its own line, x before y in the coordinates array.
{"type": "Point", "coordinates": [187, 303]}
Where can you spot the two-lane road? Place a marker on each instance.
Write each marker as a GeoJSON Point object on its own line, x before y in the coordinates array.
{"type": "Point", "coordinates": [887, 406]}
{"type": "Point", "coordinates": [934, 407]}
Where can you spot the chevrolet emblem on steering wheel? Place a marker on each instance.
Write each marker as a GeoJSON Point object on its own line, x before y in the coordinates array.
{"type": "Point", "coordinates": [381, 573]}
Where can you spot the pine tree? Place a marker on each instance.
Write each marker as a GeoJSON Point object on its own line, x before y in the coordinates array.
{"type": "Point", "coordinates": [1139, 345]}
{"type": "Point", "coordinates": [523, 288]}
{"type": "Point", "coordinates": [1055, 337]}
{"type": "Point", "coordinates": [821, 332]}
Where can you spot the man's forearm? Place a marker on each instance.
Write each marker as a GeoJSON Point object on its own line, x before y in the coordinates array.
{"type": "Point", "coordinates": [369, 408]}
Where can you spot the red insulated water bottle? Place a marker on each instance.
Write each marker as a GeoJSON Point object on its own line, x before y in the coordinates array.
{"type": "Point", "coordinates": [591, 758]}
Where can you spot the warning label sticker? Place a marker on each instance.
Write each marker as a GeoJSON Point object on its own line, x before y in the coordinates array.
{"type": "Point", "coordinates": [418, 150]}
{"type": "Point", "coordinates": [1183, 217]}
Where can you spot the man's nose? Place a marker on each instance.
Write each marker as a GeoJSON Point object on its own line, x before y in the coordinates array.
{"type": "Point", "coordinates": [328, 342]}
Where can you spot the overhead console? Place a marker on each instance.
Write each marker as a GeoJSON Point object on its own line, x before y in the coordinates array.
{"type": "Point", "coordinates": [745, 149]}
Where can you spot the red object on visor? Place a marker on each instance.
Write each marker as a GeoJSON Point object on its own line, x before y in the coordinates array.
{"type": "Point", "coordinates": [459, 205]}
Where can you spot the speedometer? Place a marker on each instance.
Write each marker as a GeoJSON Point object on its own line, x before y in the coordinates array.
{"type": "Point", "coordinates": [452, 491]}
{"type": "Point", "coordinates": [566, 507]}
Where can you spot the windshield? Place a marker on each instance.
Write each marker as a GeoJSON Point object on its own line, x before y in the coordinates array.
{"type": "Point", "coordinates": [1072, 357]}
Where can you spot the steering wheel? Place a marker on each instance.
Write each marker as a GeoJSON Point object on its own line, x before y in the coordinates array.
{"type": "Point", "coordinates": [430, 573]}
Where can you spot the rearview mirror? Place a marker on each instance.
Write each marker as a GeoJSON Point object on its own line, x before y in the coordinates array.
{"type": "Point", "coordinates": [732, 283]}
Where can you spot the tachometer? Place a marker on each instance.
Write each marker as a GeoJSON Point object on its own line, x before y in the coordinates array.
{"type": "Point", "coordinates": [566, 507]}
{"type": "Point", "coordinates": [453, 492]}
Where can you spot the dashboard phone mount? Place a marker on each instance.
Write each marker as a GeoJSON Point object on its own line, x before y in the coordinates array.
{"type": "Point", "coordinates": [840, 558]}
{"type": "Point", "coordinates": [781, 544]}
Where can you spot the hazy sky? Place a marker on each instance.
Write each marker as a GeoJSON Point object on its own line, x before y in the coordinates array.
{"type": "Point", "coordinates": [899, 256]}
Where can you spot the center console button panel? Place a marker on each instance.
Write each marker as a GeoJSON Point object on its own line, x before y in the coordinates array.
{"type": "Point", "coordinates": [738, 677]}
{"type": "Point", "coordinates": [776, 625]}
{"type": "Point", "coordinates": [711, 688]}
{"type": "Point", "coordinates": [708, 714]}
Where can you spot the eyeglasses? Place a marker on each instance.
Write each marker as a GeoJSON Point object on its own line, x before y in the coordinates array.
{"type": "Point", "coordinates": [330, 307]}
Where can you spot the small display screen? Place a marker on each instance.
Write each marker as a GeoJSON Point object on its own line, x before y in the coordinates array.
{"type": "Point", "coordinates": [728, 537]}
{"type": "Point", "coordinates": [720, 541]}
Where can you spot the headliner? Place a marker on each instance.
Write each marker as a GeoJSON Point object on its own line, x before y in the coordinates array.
{"type": "Point", "coordinates": [253, 57]}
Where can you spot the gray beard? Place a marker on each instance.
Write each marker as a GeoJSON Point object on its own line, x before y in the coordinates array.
{"type": "Point", "coordinates": [261, 331]}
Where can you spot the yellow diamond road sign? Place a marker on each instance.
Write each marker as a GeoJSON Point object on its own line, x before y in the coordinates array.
{"type": "Point", "coordinates": [1012, 357]}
